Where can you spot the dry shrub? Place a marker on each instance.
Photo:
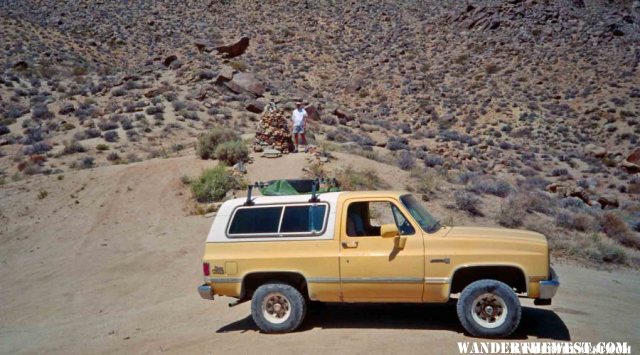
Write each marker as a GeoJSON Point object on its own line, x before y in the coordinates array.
{"type": "Point", "coordinates": [467, 202]}
{"type": "Point", "coordinates": [577, 221]}
{"type": "Point", "coordinates": [617, 229]}
{"type": "Point", "coordinates": [351, 179]}
{"type": "Point", "coordinates": [511, 213]}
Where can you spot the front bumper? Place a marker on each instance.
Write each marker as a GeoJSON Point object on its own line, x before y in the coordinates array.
{"type": "Point", "coordinates": [205, 292]}
{"type": "Point", "coordinates": [548, 288]}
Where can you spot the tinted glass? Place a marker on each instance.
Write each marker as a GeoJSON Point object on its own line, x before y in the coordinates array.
{"type": "Point", "coordinates": [427, 222]}
{"type": "Point", "coordinates": [260, 220]}
{"type": "Point", "coordinates": [303, 219]}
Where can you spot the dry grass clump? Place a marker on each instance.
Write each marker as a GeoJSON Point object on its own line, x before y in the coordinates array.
{"type": "Point", "coordinates": [351, 179]}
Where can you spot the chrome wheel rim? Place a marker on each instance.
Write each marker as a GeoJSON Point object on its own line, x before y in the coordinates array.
{"type": "Point", "coordinates": [276, 308]}
{"type": "Point", "coordinates": [489, 310]}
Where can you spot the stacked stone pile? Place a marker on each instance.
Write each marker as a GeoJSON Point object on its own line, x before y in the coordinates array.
{"type": "Point", "coordinates": [273, 131]}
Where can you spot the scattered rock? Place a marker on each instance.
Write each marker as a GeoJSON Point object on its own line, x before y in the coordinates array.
{"type": "Point", "coordinates": [608, 201]}
{"type": "Point", "coordinates": [240, 168]}
{"type": "Point", "coordinates": [595, 151]}
{"type": "Point", "coordinates": [225, 74]}
{"type": "Point", "coordinates": [21, 65]}
{"type": "Point", "coordinates": [246, 82]}
{"type": "Point", "coordinates": [170, 59]}
{"type": "Point", "coordinates": [256, 106]}
{"type": "Point", "coordinates": [566, 190]}
{"type": "Point", "coordinates": [344, 116]}
{"type": "Point", "coordinates": [271, 153]}
{"type": "Point", "coordinates": [234, 50]}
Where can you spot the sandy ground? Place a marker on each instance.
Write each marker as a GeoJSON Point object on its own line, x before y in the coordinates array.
{"type": "Point", "coordinates": [109, 261]}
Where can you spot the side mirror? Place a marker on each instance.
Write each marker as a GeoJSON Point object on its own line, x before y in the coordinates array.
{"type": "Point", "coordinates": [389, 231]}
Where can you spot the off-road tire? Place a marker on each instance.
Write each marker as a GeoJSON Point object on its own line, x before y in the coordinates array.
{"type": "Point", "coordinates": [261, 305]}
{"type": "Point", "coordinates": [470, 310]}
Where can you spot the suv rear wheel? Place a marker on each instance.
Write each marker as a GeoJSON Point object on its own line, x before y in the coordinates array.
{"type": "Point", "coordinates": [489, 308]}
{"type": "Point", "coordinates": [278, 308]}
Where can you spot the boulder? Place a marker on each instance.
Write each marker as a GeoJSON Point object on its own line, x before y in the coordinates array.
{"type": "Point", "coordinates": [234, 50]}
{"type": "Point", "coordinates": [608, 201]}
{"type": "Point", "coordinates": [225, 74]}
{"type": "Point", "coordinates": [170, 59]}
{"type": "Point", "coordinates": [566, 190]}
{"type": "Point", "coordinates": [246, 82]}
{"type": "Point", "coordinates": [595, 151]}
{"type": "Point", "coordinates": [344, 116]}
{"type": "Point", "coordinates": [313, 112]}
{"type": "Point", "coordinates": [255, 106]}
{"type": "Point", "coordinates": [632, 163]}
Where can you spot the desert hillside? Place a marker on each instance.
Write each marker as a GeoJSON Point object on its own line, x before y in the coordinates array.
{"type": "Point", "coordinates": [523, 114]}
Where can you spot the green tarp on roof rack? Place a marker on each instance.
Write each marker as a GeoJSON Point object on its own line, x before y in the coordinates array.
{"type": "Point", "coordinates": [295, 187]}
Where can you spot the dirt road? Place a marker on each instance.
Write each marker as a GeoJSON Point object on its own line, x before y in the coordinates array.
{"type": "Point", "coordinates": [109, 262]}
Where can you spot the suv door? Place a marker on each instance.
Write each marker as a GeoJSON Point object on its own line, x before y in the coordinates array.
{"type": "Point", "coordinates": [377, 269]}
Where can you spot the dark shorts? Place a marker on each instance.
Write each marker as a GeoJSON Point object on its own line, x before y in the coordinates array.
{"type": "Point", "coordinates": [298, 129]}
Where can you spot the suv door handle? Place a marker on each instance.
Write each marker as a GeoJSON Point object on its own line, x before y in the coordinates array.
{"type": "Point", "coordinates": [349, 244]}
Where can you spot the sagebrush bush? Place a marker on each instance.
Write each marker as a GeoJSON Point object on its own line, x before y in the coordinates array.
{"type": "Point", "coordinates": [406, 161]}
{"type": "Point", "coordinates": [487, 185]}
{"type": "Point", "coordinates": [433, 160]}
{"type": "Point", "coordinates": [208, 142]}
{"type": "Point", "coordinates": [397, 143]}
{"type": "Point", "coordinates": [111, 136]}
{"type": "Point", "coordinates": [465, 201]}
{"type": "Point", "coordinates": [617, 229]}
{"type": "Point", "coordinates": [71, 147]}
{"type": "Point", "coordinates": [41, 112]}
{"type": "Point", "coordinates": [232, 152]}
{"type": "Point", "coordinates": [511, 213]}
{"type": "Point", "coordinates": [578, 221]}
{"type": "Point", "coordinates": [213, 184]}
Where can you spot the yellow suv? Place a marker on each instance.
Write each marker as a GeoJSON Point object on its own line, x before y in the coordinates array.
{"type": "Point", "coordinates": [281, 252]}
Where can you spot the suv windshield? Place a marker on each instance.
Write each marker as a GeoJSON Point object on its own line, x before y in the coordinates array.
{"type": "Point", "coordinates": [427, 222]}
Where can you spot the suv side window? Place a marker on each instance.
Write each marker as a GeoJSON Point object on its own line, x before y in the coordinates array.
{"type": "Point", "coordinates": [272, 221]}
{"type": "Point", "coordinates": [303, 219]}
{"type": "Point", "coordinates": [261, 220]}
{"type": "Point", "coordinates": [365, 218]}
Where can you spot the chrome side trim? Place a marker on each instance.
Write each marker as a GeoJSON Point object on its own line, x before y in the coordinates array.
{"type": "Point", "coordinates": [436, 280]}
{"type": "Point", "coordinates": [323, 280]}
{"type": "Point", "coordinates": [225, 280]}
{"type": "Point", "coordinates": [365, 280]}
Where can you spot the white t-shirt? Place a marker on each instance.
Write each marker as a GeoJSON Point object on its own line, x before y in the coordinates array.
{"type": "Point", "coordinates": [298, 117]}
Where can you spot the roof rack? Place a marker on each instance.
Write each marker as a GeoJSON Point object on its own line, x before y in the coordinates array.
{"type": "Point", "coordinates": [293, 187]}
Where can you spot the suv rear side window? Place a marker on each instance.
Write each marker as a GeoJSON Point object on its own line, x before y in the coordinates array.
{"type": "Point", "coordinates": [294, 220]}
{"type": "Point", "coordinates": [260, 220]}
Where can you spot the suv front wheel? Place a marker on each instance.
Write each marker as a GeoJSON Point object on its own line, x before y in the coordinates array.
{"type": "Point", "coordinates": [278, 308]}
{"type": "Point", "coordinates": [489, 308]}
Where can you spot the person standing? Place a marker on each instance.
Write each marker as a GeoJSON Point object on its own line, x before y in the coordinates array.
{"type": "Point", "coordinates": [299, 119]}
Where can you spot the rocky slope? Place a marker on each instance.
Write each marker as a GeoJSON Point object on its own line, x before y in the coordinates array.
{"type": "Point", "coordinates": [517, 105]}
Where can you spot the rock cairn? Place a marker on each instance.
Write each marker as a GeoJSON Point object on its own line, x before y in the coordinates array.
{"type": "Point", "coordinates": [273, 131]}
